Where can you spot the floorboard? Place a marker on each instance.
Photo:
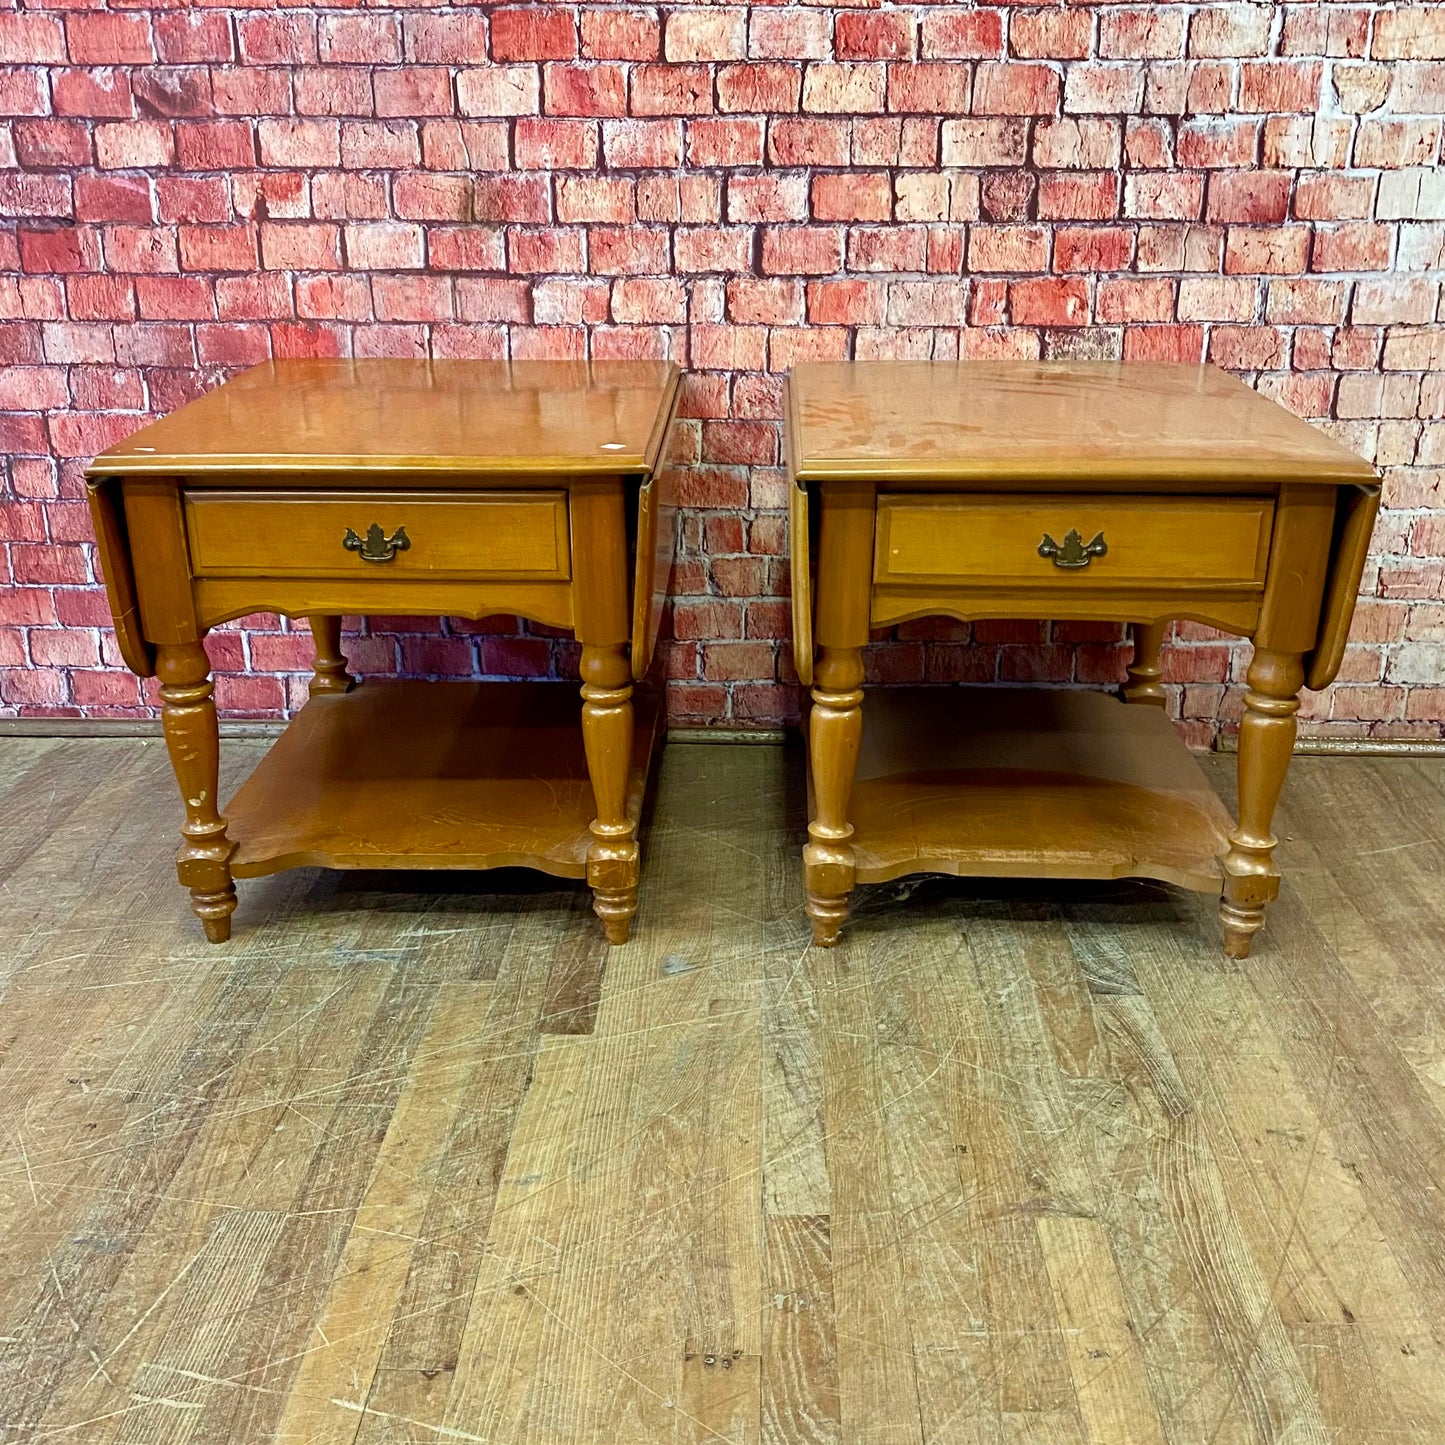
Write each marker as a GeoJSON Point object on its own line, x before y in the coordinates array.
{"type": "Point", "coordinates": [417, 1159]}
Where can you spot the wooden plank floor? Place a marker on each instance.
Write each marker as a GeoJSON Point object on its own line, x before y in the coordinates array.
{"type": "Point", "coordinates": [416, 1160]}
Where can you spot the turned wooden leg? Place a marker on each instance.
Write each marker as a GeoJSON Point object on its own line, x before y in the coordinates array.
{"type": "Point", "coordinates": [328, 671]}
{"type": "Point", "coordinates": [835, 729]}
{"type": "Point", "coordinates": [1143, 683]}
{"type": "Point", "coordinates": [1266, 741]}
{"type": "Point", "coordinates": [612, 855]}
{"type": "Point", "coordinates": [188, 714]}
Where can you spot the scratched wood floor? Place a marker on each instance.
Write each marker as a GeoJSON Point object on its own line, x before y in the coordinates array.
{"type": "Point", "coordinates": [1016, 1165]}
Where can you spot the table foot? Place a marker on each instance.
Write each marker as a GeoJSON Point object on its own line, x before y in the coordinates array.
{"type": "Point", "coordinates": [1240, 926]}
{"type": "Point", "coordinates": [215, 910]}
{"type": "Point", "coordinates": [615, 908]}
{"type": "Point", "coordinates": [827, 916]}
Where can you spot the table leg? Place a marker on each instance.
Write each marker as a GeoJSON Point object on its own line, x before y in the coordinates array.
{"type": "Point", "coordinates": [1266, 741]}
{"type": "Point", "coordinates": [1143, 683]}
{"type": "Point", "coordinates": [188, 714]}
{"type": "Point", "coordinates": [835, 729]}
{"type": "Point", "coordinates": [612, 855]}
{"type": "Point", "coordinates": [328, 671]}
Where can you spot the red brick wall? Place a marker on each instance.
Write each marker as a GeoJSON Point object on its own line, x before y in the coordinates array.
{"type": "Point", "coordinates": [185, 190]}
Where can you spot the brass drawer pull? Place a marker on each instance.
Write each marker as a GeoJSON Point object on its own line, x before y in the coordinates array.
{"type": "Point", "coordinates": [376, 546]}
{"type": "Point", "coordinates": [1075, 552]}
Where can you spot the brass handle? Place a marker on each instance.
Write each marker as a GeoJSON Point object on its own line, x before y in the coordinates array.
{"type": "Point", "coordinates": [1075, 552]}
{"type": "Point", "coordinates": [376, 546]}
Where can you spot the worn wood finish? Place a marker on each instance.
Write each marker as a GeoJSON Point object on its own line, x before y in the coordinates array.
{"type": "Point", "coordinates": [416, 420]}
{"type": "Point", "coordinates": [431, 775]}
{"type": "Point", "coordinates": [1094, 492]}
{"type": "Point", "coordinates": [1017, 783]}
{"type": "Point", "coordinates": [275, 533]}
{"type": "Point", "coordinates": [1038, 424]}
{"type": "Point", "coordinates": [322, 488]}
{"type": "Point", "coordinates": [423, 1163]}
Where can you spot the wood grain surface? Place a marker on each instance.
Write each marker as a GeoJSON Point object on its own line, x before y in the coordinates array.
{"type": "Point", "coordinates": [1047, 423]}
{"type": "Point", "coordinates": [418, 1161]}
{"type": "Point", "coordinates": [399, 416]}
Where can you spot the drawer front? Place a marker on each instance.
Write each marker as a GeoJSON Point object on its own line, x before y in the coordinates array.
{"type": "Point", "coordinates": [520, 535]}
{"type": "Point", "coordinates": [1069, 541]}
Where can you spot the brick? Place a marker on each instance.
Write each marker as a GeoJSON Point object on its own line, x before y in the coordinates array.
{"type": "Point", "coordinates": [139, 144]}
{"type": "Point", "coordinates": [642, 144]}
{"type": "Point", "coordinates": [706, 34]}
{"type": "Point", "coordinates": [789, 34]}
{"type": "Point", "coordinates": [1312, 303]}
{"type": "Point", "coordinates": [1164, 343]}
{"type": "Point", "coordinates": [92, 92]}
{"type": "Point", "coordinates": [1271, 85]}
{"type": "Point", "coordinates": [105, 39]}
{"type": "Point", "coordinates": [678, 90]}
{"type": "Point", "coordinates": [1409, 32]}
{"type": "Point", "coordinates": [801, 250]}
{"type": "Point", "coordinates": [598, 90]}
{"type": "Point", "coordinates": [1175, 195]}
{"type": "Point", "coordinates": [704, 249]}
{"type": "Point", "coordinates": [1395, 144]}
{"type": "Point", "coordinates": [511, 199]}
{"type": "Point", "coordinates": [725, 142]}
{"type": "Point", "coordinates": [528, 34]}
{"type": "Point", "coordinates": [1218, 298]}
{"type": "Point", "coordinates": [874, 35]}
{"type": "Point", "coordinates": [1008, 248]}
{"type": "Point", "coordinates": [852, 197]}
{"type": "Point", "coordinates": [1256, 251]}
{"type": "Point", "coordinates": [1141, 34]}
{"type": "Point", "coordinates": [30, 39]}
{"type": "Point", "coordinates": [846, 303]}
{"type": "Point", "coordinates": [952, 34]}
{"type": "Point", "coordinates": [1068, 143]}
{"type": "Point", "coordinates": [1400, 298]}
{"type": "Point", "coordinates": [1104, 88]}
{"type": "Point", "coordinates": [1333, 197]}
{"type": "Point", "coordinates": [1015, 89]}
{"type": "Point", "coordinates": [620, 35]}
{"type": "Point", "coordinates": [1007, 195]}
{"type": "Point", "coordinates": [985, 142]}
{"type": "Point", "coordinates": [499, 90]}
{"type": "Point", "coordinates": [555, 144]}
{"type": "Point", "coordinates": [1252, 196]}
{"type": "Point", "coordinates": [631, 250]}
{"type": "Point", "coordinates": [767, 197]}
{"type": "Point", "coordinates": [843, 89]}
{"type": "Point", "coordinates": [1359, 246]}
{"type": "Point", "coordinates": [1230, 31]}
{"type": "Point", "coordinates": [299, 142]}
{"type": "Point", "coordinates": [1093, 248]}
{"type": "Point", "coordinates": [1419, 87]}
{"type": "Point", "coordinates": [927, 303]}
{"type": "Point", "coordinates": [1050, 301]}
{"type": "Point", "coordinates": [1218, 144]}
{"type": "Point", "coordinates": [1062, 34]}
{"type": "Point", "coordinates": [1089, 196]}
{"type": "Point", "coordinates": [932, 87]}
{"type": "Point", "coordinates": [360, 39]}
{"type": "Point", "coordinates": [808, 141]}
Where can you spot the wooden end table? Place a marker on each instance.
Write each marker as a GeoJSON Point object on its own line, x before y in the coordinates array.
{"type": "Point", "coordinates": [448, 488]}
{"type": "Point", "coordinates": [1068, 491]}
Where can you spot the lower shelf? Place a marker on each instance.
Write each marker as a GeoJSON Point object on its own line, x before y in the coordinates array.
{"type": "Point", "coordinates": [430, 775]}
{"type": "Point", "coordinates": [1030, 783]}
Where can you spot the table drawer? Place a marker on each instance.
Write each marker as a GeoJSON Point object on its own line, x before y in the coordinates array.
{"type": "Point", "coordinates": [378, 534]}
{"type": "Point", "coordinates": [1076, 541]}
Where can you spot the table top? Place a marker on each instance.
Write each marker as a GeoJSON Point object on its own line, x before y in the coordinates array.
{"type": "Point", "coordinates": [1043, 422]}
{"type": "Point", "coordinates": [520, 418]}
